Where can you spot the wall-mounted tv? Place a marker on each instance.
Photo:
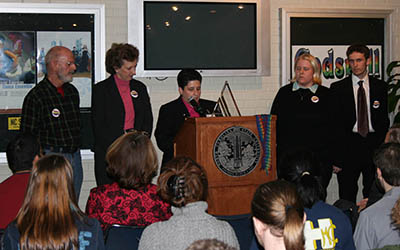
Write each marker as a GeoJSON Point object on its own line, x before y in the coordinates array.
{"type": "Point", "coordinates": [219, 37]}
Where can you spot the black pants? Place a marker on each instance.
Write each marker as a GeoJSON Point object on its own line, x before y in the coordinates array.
{"type": "Point", "coordinates": [358, 160]}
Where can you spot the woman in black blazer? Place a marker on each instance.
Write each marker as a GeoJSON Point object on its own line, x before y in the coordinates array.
{"type": "Point", "coordinates": [119, 104]}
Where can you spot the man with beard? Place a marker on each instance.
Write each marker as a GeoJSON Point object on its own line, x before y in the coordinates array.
{"type": "Point", "coordinates": [51, 111]}
{"type": "Point", "coordinates": [374, 227]}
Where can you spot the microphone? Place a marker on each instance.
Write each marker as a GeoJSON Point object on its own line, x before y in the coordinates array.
{"type": "Point", "coordinates": [196, 106]}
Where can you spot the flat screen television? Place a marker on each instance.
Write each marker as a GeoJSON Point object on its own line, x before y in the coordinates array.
{"type": "Point", "coordinates": [219, 37]}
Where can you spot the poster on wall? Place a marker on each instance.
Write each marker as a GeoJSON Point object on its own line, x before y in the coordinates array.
{"type": "Point", "coordinates": [80, 45]}
{"type": "Point", "coordinates": [17, 66]}
{"type": "Point", "coordinates": [334, 63]}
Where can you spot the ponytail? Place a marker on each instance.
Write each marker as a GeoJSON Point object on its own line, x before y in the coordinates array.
{"type": "Point", "coordinates": [293, 235]}
{"type": "Point", "coordinates": [278, 205]}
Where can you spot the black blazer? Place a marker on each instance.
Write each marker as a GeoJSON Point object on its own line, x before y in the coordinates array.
{"type": "Point", "coordinates": [170, 120]}
{"type": "Point", "coordinates": [108, 116]}
{"type": "Point", "coordinates": [343, 106]}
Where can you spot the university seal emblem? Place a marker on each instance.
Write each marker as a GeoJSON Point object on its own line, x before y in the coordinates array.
{"type": "Point", "coordinates": [237, 151]}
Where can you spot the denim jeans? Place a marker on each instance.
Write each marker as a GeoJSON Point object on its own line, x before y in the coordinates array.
{"type": "Point", "coordinates": [76, 163]}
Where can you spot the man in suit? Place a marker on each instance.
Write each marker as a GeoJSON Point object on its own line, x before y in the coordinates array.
{"type": "Point", "coordinates": [361, 121]}
{"type": "Point", "coordinates": [173, 114]}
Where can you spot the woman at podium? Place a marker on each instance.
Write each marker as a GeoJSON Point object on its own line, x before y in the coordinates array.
{"type": "Point", "coordinates": [173, 114]}
{"type": "Point", "coordinates": [303, 115]}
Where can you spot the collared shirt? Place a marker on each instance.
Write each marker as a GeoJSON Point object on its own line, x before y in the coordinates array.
{"type": "Point", "coordinates": [355, 81]}
{"type": "Point", "coordinates": [51, 117]}
{"type": "Point", "coordinates": [124, 90]}
{"type": "Point", "coordinates": [297, 86]}
{"type": "Point", "coordinates": [190, 109]}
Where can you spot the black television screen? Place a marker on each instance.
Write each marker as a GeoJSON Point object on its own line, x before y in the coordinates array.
{"type": "Point", "coordinates": [201, 35]}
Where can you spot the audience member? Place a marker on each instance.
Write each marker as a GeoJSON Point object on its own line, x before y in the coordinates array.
{"type": "Point", "coordinates": [374, 227]}
{"type": "Point", "coordinates": [183, 183]}
{"type": "Point", "coordinates": [303, 117]}
{"type": "Point", "coordinates": [278, 216]}
{"type": "Point", "coordinates": [50, 217]}
{"type": "Point", "coordinates": [131, 199]}
{"type": "Point", "coordinates": [51, 111]}
{"type": "Point", "coordinates": [119, 104]}
{"type": "Point", "coordinates": [326, 226]}
{"type": "Point", "coordinates": [21, 152]}
{"type": "Point", "coordinates": [376, 193]}
{"type": "Point", "coordinates": [173, 114]}
{"type": "Point", "coordinates": [209, 244]}
{"type": "Point", "coordinates": [359, 104]}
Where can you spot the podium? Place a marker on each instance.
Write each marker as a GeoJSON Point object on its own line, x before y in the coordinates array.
{"type": "Point", "coordinates": [227, 148]}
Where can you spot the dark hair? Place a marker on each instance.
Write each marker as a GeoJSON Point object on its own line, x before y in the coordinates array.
{"type": "Point", "coordinates": [182, 181]}
{"type": "Point", "coordinates": [360, 48]}
{"type": "Point", "coordinates": [300, 167]}
{"type": "Point", "coordinates": [393, 135]}
{"type": "Point", "coordinates": [278, 205]}
{"type": "Point", "coordinates": [187, 75]}
{"type": "Point", "coordinates": [387, 159]}
{"type": "Point", "coordinates": [119, 52]}
{"type": "Point", "coordinates": [132, 160]}
{"type": "Point", "coordinates": [21, 151]}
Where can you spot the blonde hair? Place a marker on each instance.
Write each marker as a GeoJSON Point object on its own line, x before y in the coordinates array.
{"type": "Point", "coordinates": [278, 205]}
{"type": "Point", "coordinates": [315, 65]}
{"type": "Point", "coordinates": [47, 217]}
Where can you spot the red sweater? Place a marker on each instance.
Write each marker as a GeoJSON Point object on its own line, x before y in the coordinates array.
{"type": "Point", "coordinates": [110, 204]}
{"type": "Point", "coordinates": [12, 193]}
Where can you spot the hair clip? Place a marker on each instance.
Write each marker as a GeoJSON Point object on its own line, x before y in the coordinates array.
{"type": "Point", "coordinates": [176, 186]}
{"type": "Point", "coordinates": [305, 173]}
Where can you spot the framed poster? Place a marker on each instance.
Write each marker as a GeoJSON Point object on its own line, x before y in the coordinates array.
{"type": "Point", "coordinates": [327, 33]}
{"type": "Point", "coordinates": [28, 31]}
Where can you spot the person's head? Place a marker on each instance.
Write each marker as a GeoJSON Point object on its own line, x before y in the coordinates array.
{"type": "Point", "coordinates": [60, 65]}
{"type": "Point", "coordinates": [189, 84]}
{"type": "Point", "coordinates": [300, 167]}
{"type": "Point", "coordinates": [358, 57]}
{"type": "Point", "coordinates": [47, 216]}
{"type": "Point", "coordinates": [393, 135]}
{"type": "Point", "coordinates": [132, 160]}
{"type": "Point", "coordinates": [396, 214]}
{"type": "Point", "coordinates": [278, 216]}
{"type": "Point", "coordinates": [182, 181]}
{"type": "Point", "coordinates": [387, 162]}
{"type": "Point", "coordinates": [307, 70]}
{"type": "Point", "coordinates": [209, 244]}
{"type": "Point", "coordinates": [121, 59]}
{"type": "Point", "coordinates": [21, 152]}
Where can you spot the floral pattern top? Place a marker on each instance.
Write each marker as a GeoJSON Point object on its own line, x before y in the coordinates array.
{"type": "Point", "coordinates": [110, 204]}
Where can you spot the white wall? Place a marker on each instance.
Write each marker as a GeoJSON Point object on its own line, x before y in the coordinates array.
{"type": "Point", "coordinates": [254, 94]}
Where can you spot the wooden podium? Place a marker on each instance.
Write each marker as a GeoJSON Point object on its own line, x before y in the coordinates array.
{"type": "Point", "coordinates": [228, 195]}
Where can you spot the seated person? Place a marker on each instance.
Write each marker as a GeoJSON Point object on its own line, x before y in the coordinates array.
{"type": "Point", "coordinates": [299, 168]}
{"type": "Point", "coordinates": [183, 183]}
{"type": "Point", "coordinates": [209, 244]}
{"type": "Point", "coordinates": [132, 199]}
{"type": "Point", "coordinates": [21, 152]}
{"type": "Point", "coordinates": [374, 226]}
{"type": "Point", "coordinates": [50, 217]}
{"type": "Point", "coordinates": [278, 216]}
{"type": "Point", "coordinates": [173, 114]}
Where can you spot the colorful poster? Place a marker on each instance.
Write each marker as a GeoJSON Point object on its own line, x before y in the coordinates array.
{"type": "Point", "coordinates": [334, 63]}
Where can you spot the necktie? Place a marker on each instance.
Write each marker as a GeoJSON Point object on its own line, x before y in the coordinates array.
{"type": "Point", "coordinates": [362, 111]}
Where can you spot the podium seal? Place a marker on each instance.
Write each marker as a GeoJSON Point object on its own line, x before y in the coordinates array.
{"type": "Point", "coordinates": [237, 151]}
